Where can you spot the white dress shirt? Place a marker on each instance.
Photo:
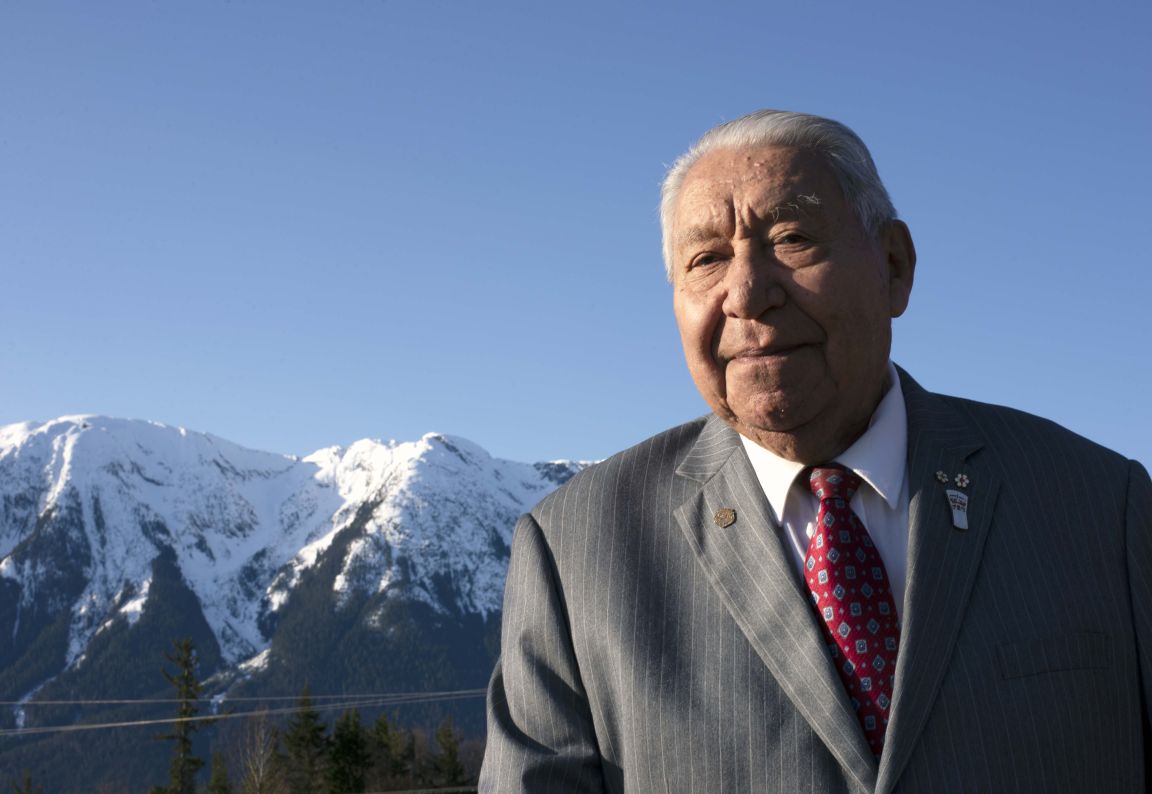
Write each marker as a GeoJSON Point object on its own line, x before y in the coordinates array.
{"type": "Point", "coordinates": [881, 503]}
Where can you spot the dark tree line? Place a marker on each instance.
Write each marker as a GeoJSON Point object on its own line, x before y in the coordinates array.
{"type": "Point", "coordinates": [301, 756]}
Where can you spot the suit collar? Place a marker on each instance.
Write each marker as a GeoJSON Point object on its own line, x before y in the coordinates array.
{"type": "Point", "coordinates": [714, 446]}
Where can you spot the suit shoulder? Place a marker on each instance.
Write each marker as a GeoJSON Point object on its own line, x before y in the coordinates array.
{"type": "Point", "coordinates": [1032, 436]}
{"type": "Point", "coordinates": [631, 471]}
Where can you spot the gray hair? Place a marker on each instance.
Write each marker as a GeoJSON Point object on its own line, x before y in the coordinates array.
{"type": "Point", "coordinates": [843, 150]}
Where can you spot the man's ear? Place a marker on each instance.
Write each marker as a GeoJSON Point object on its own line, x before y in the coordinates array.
{"type": "Point", "coordinates": [900, 252]}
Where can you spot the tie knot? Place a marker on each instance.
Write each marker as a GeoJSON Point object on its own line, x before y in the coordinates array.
{"type": "Point", "coordinates": [833, 481]}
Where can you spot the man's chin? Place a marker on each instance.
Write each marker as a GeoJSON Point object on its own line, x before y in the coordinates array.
{"type": "Point", "coordinates": [793, 432]}
{"type": "Point", "coordinates": [776, 415]}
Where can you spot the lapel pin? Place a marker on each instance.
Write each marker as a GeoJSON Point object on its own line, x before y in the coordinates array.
{"type": "Point", "coordinates": [942, 477]}
{"type": "Point", "coordinates": [962, 480]}
{"type": "Point", "coordinates": [725, 517]}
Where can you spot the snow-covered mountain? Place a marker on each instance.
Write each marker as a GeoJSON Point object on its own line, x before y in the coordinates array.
{"type": "Point", "coordinates": [92, 508]}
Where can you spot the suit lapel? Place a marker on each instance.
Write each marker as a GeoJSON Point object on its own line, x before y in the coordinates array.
{"type": "Point", "coordinates": [750, 569]}
{"type": "Point", "coordinates": [942, 562]}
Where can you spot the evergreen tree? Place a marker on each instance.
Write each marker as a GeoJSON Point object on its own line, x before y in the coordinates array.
{"type": "Point", "coordinates": [25, 786]}
{"type": "Point", "coordinates": [349, 759]}
{"type": "Point", "coordinates": [397, 758]}
{"type": "Point", "coordinates": [304, 763]}
{"type": "Point", "coordinates": [446, 767]}
{"type": "Point", "coordinates": [384, 745]}
{"type": "Point", "coordinates": [218, 781]}
{"type": "Point", "coordinates": [185, 764]}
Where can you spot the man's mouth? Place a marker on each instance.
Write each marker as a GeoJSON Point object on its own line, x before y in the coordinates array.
{"type": "Point", "coordinates": [768, 351]}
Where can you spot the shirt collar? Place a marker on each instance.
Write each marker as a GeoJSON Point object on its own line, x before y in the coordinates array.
{"type": "Point", "coordinates": [878, 456]}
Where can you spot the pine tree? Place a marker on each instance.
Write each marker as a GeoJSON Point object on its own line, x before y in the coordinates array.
{"type": "Point", "coordinates": [387, 766]}
{"type": "Point", "coordinates": [26, 786]}
{"type": "Point", "coordinates": [218, 781]}
{"type": "Point", "coordinates": [446, 767]}
{"type": "Point", "coordinates": [185, 765]}
{"type": "Point", "coordinates": [304, 763]}
{"type": "Point", "coordinates": [396, 757]}
{"type": "Point", "coordinates": [349, 759]}
{"type": "Point", "coordinates": [418, 758]}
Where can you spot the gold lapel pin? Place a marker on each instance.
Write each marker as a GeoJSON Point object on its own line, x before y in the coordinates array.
{"type": "Point", "coordinates": [725, 517]}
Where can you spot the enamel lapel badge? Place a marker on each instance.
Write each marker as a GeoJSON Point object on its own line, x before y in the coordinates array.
{"type": "Point", "coordinates": [957, 499]}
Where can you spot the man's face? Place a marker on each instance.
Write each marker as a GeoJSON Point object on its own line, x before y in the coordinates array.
{"type": "Point", "coordinates": [783, 299]}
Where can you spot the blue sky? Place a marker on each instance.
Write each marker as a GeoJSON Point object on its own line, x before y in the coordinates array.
{"type": "Point", "coordinates": [298, 224]}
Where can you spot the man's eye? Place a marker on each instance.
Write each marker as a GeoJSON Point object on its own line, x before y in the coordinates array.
{"type": "Point", "coordinates": [703, 260]}
{"type": "Point", "coordinates": [791, 238]}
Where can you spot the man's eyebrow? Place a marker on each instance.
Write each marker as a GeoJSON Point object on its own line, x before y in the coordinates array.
{"type": "Point", "coordinates": [799, 205]}
{"type": "Point", "coordinates": [695, 235]}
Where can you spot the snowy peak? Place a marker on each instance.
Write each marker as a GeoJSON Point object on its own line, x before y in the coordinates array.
{"type": "Point", "coordinates": [443, 511]}
{"type": "Point", "coordinates": [115, 493]}
{"type": "Point", "coordinates": [89, 503]}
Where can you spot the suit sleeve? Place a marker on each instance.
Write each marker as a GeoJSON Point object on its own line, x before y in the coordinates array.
{"type": "Point", "coordinates": [1139, 531]}
{"type": "Point", "coordinates": [540, 732]}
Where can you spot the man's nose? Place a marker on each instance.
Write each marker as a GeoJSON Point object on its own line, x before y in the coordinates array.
{"type": "Point", "coordinates": [753, 283]}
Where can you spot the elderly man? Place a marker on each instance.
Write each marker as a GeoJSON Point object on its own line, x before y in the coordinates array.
{"type": "Point", "coordinates": [838, 581]}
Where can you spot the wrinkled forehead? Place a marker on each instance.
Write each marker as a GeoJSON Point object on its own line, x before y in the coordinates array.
{"type": "Point", "coordinates": [754, 184]}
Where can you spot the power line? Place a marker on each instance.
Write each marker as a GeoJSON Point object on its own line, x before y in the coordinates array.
{"type": "Point", "coordinates": [453, 790]}
{"type": "Point", "coordinates": [383, 701]}
{"type": "Point", "coordinates": [399, 696]}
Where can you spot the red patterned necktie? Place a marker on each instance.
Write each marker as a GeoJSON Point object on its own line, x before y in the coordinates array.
{"type": "Point", "coordinates": [850, 590]}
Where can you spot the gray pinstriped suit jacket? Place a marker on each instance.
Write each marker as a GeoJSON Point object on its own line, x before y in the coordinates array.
{"type": "Point", "coordinates": [646, 649]}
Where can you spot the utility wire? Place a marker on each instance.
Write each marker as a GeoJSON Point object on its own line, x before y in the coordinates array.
{"type": "Point", "coordinates": [386, 701]}
{"type": "Point", "coordinates": [399, 696]}
{"type": "Point", "coordinates": [453, 790]}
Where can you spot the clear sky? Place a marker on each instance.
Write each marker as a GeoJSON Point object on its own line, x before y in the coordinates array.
{"type": "Point", "coordinates": [298, 224]}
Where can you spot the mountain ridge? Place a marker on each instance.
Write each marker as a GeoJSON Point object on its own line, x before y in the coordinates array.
{"type": "Point", "coordinates": [93, 509]}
